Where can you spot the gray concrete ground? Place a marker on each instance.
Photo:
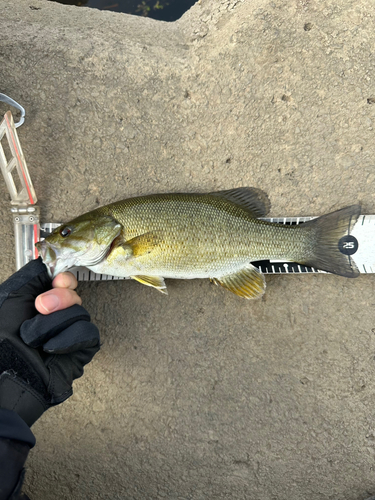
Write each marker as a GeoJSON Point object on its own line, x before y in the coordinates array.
{"type": "Point", "coordinates": [202, 395]}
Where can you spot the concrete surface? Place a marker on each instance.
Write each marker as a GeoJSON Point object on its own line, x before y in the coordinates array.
{"type": "Point", "coordinates": [202, 395]}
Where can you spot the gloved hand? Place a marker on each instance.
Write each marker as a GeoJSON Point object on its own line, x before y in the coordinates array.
{"type": "Point", "coordinates": [40, 355]}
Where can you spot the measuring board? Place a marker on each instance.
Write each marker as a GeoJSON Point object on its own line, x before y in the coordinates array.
{"type": "Point", "coordinates": [360, 245]}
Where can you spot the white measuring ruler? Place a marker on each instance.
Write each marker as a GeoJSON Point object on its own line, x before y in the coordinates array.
{"type": "Point", "coordinates": [360, 245]}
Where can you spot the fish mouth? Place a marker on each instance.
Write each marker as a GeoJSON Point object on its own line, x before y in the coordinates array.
{"type": "Point", "coordinates": [57, 267]}
{"type": "Point", "coordinates": [54, 263]}
{"type": "Point", "coordinates": [58, 261]}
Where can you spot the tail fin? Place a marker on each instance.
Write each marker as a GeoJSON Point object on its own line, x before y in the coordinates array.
{"type": "Point", "coordinates": [329, 251]}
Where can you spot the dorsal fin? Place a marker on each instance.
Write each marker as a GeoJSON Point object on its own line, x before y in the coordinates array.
{"type": "Point", "coordinates": [253, 200]}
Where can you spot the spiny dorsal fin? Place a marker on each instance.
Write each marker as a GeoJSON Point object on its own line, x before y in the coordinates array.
{"type": "Point", "coordinates": [251, 199]}
{"type": "Point", "coordinates": [249, 282]}
{"type": "Point", "coordinates": [154, 281]}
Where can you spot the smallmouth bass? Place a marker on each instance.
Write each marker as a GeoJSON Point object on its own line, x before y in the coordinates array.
{"type": "Point", "coordinates": [186, 236]}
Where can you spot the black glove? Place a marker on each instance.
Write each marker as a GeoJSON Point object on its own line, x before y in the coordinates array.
{"type": "Point", "coordinates": [40, 356]}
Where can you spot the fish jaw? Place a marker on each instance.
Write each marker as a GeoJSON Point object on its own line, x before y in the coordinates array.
{"type": "Point", "coordinates": [84, 241]}
{"type": "Point", "coordinates": [54, 262]}
{"type": "Point", "coordinates": [58, 260]}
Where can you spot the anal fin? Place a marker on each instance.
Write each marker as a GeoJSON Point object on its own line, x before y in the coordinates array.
{"type": "Point", "coordinates": [154, 281]}
{"type": "Point", "coordinates": [248, 283]}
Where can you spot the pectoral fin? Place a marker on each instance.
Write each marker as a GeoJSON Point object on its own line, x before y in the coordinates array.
{"type": "Point", "coordinates": [135, 247]}
{"type": "Point", "coordinates": [154, 281]}
{"type": "Point", "coordinates": [143, 243]}
{"type": "Point", "coordinates": [249, 282]}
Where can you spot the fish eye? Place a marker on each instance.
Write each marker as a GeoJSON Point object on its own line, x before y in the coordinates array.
{"type": "Point", "coordinates": [65, 231]}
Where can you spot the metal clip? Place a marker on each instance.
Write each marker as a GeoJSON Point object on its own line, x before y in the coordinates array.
{"type": "Point", "coordinates": [8, 100]}
{"type": "Point", "coordinates": [23, 198]}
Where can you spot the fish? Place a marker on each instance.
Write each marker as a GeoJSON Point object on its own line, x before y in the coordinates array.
{"type": "Point", "coordinates": [213, 235]}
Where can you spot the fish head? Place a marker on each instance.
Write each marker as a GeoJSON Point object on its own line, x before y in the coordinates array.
{"type": "Point", "coordinates": [84, 241]}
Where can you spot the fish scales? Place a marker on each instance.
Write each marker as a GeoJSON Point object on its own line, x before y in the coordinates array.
{"type": "Point", "coordinates": [186, 236]}
{"type": "Point", "coordinates": [201, 235]}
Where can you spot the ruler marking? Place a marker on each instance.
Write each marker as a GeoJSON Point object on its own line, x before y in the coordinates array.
{"type": "Point", "coordinates": [364, 258]}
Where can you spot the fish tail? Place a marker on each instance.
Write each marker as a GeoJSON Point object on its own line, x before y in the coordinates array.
{"type": "Point", "coordinates": [331, 244]}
